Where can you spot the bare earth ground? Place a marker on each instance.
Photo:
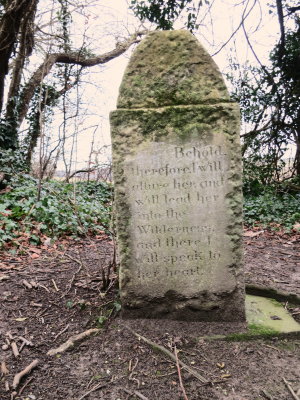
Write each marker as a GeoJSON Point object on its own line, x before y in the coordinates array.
{"type": "Point", "coordinates": [52, 293]}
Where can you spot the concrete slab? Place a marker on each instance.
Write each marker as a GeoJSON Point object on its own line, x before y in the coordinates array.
{"type": "Point", "coordinates": [270, 314]}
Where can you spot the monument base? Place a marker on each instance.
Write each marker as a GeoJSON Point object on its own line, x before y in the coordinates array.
{"type": "Point", "coordinates": [207, 307]}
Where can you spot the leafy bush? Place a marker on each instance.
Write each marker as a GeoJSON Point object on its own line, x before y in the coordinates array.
{"type": "Point", "coordinates": [272, 207]}
{"type": "Point", "coordinates": [62, 209]}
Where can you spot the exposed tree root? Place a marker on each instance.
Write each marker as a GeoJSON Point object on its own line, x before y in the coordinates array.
{"type": "Point", "coordinates": [170, 355]}
{"type": "Point", "coordinates": [25, 371]}
{"type": "Point", "coordinates": [72, 341]}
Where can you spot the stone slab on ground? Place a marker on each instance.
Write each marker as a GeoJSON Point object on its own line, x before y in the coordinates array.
{"type": "Point", "coordinates": [269, 313]}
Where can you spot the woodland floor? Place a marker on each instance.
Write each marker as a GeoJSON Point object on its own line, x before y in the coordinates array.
{"type": "Point", "coordinates": [51, 293]}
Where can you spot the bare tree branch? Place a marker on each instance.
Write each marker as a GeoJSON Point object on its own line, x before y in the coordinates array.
{"type": "Point", "coordinates": [244, 16]}
{"type": "Point", "coordinates": [70, 58]}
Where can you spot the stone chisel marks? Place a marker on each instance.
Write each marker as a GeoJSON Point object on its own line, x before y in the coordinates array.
{"type": "Point", "coordinates": [177, 172]}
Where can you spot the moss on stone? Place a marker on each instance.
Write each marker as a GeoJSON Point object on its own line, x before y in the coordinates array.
{"type": "Point", "coordinates": [173, 95]}
{"type": "Point", "coordinates": [170, 68]}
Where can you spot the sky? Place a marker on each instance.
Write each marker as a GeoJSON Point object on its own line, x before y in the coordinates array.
{"type": "Point", "coordinates": [110, 21]}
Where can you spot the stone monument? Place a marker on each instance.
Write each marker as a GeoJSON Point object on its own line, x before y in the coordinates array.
{"type": "Point", "coordinates": [177, 173]}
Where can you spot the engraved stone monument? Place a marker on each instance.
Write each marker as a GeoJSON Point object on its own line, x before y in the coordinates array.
{"type": "Point", "coordinates": [177, 172]}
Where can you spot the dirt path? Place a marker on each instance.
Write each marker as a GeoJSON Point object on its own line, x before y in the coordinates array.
{"type": "Point", "coordinates": [51, 294]}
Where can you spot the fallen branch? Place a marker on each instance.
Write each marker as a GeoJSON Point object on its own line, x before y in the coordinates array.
{"type": "Point", "coordinates": [179, 374]}
{"type": "Point", "coordinates": [170, 355]}
{"type": "Point", "coordinates": [136, 393]}
{"type": "Point", "coordinates": [25, 371]}
{"type": "Point", "coordinates": [290, 389]}
{"type": "Point", "coordinates": [72, 341]}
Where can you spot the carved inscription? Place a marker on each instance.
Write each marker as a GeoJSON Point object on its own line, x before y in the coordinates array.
{"type": "Point", "coordinates": [177, 197]}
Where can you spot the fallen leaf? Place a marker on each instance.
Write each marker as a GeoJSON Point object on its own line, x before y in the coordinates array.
{"type": "Point", "coordinates": [224, 376]}
{"type": "Point", "coordinates": [296, 226]}
{"type": "Point", "coordinates": [252, 233]}
{"type": "Point", "coordinates": [34, 255]}
{"type": "Point", "coordinates": [47, 242]}
{"type": "Point", "coordinates": [35, 250]}
{"type": "Point", "coordinates": [21, 319]}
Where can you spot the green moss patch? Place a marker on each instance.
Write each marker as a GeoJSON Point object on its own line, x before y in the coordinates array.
{"type": "Point", "coordinates": [268, 314]}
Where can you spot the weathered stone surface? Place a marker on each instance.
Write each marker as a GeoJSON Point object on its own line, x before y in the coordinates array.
{"type": "Point", "coordinates": [171, 68]}
{"type": "Point", "coordinates": [177, 172]}
{"type": "Point", "coordinates": [268, 313]}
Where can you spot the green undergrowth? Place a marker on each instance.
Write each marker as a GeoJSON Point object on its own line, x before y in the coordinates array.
{"type": "Point", "coordinates": [64, 209]}
{"type": "Point", "coordinates": [273, 209]}
{"type": "Point", "coordinates": [61, 209]}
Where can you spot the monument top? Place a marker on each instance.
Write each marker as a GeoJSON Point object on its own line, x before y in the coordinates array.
{"type": "Point", "coordinates": [171, 68]}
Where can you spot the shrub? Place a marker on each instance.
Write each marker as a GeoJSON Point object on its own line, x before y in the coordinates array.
{"type": "Point", "coordinates": [61, 209]}
{"type": "Point", "coordinates": [272, 207]}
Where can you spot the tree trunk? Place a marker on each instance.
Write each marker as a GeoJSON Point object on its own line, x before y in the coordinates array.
{"type": "Point", "coordinates": [9, 29]}
{"type": "Point", "coordinates": [297, 155]}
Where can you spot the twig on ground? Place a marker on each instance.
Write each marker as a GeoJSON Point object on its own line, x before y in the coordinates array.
{"type": "Point", "coordinates": [15, 349]}
{"type": "Point", "coordinates": [271, 347]}
{"type": "Point", "coordinates": [44, 287]}
{"type": "Point", "coordinates": [24, 386]}
{"type": "Point", "coordinates": [74, 275]}
{"type": "Point", "coordinates": [74, 259]}
{"type": "Point", "coordinates": [266, 395]}
{"type": "Point", "coordinates": [26, 284]}
{"type": "Point", "coordinates": [94, 388]}
{"type": "Point", "coordinates": [168, 374]}
{"type": "Point", "coordinates": [25, 342]}
{"type": "Point", "coordinates": [4, 370]}
{"type": "Point", "coordinates": [61, 332]}
{"type": "Point", "coordinates": [72, 341]}
{"type": "Point", "coordinates": [179, 374]}
{"type": "Point", "coordinates": [290, 389]}
{"type": "Point", "coordinates": [55, 285]}
{"type": "Point", "coordinates": [25, 371]}
{"type": "Point", "coordinates": [131, 369]}
{"type": "Point", "coordinates": [100, 386]}
{"type": "Point", "coordinates": [170, 355]}
{"type": "Point", "coordinates": [136, 393]}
